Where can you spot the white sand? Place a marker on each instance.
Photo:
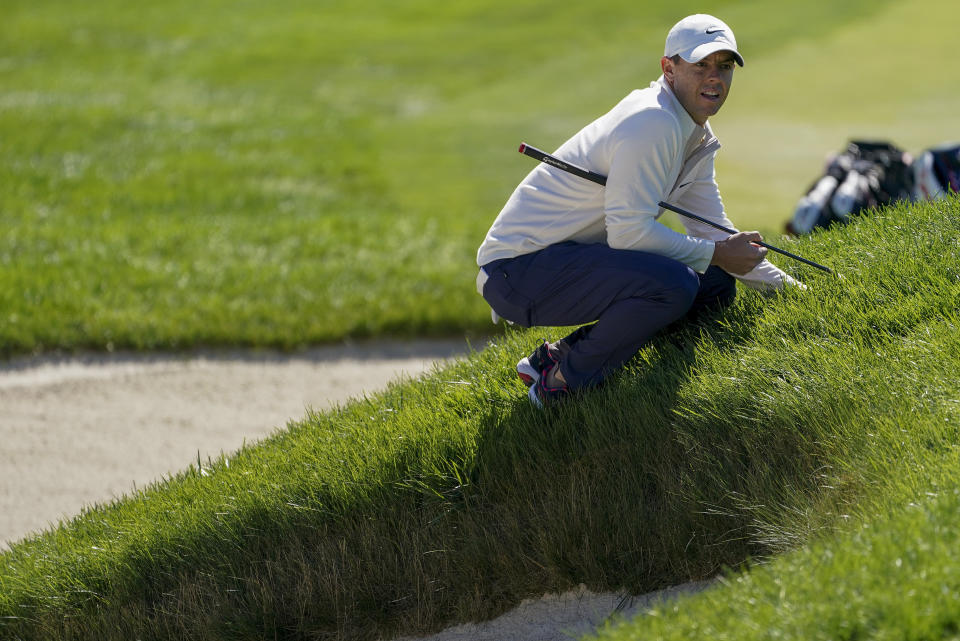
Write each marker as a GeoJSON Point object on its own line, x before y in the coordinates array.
{"type": "Point", "coordinates": [83, 430]}
{"type": "Point", "coordinates": [561, 617]}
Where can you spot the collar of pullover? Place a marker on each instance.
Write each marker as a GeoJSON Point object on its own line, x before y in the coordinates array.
{"type": "Point", "coordinates": [695, 135]}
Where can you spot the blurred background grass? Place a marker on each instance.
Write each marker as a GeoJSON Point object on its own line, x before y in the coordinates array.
{"type": "Point", "coordinates": [234, 173]}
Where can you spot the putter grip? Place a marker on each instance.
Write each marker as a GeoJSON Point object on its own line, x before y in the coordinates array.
{"type": "Point", "coordinates": [544, 157]}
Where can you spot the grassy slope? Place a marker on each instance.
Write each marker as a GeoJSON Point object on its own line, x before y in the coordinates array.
{"type": "Point", "coordinates": [450, 498]}
{"type": "Point", "coordinates": [239, 174]}
{"type": "Point", "coordinates": [895, 578]}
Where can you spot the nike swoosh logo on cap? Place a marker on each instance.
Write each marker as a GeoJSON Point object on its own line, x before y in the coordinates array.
{"type": "Point", "coordinates": [709, 31]}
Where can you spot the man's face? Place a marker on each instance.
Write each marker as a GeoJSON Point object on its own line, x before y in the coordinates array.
{"type": "Point", "coordinates": [701, 87]}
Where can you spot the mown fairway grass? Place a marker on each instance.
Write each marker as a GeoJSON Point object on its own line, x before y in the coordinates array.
{"type": "Point", "coordinates": [284, 174]}
{"type": "Point", "coordinates": [823, 421]}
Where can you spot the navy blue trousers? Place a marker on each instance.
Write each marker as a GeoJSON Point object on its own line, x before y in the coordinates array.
{"type": "Point", "coordinates": [630, 294]}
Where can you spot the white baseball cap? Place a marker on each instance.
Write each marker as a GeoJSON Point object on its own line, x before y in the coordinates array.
{"type": "Point", "coordinates": [697, 36]}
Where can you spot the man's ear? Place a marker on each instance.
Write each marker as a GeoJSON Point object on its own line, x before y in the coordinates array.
{"type": "Point", "coordinates": [666, 65]}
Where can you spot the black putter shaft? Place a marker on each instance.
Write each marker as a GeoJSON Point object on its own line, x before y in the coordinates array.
{"type": "Point", "coordinates": [600, 179]}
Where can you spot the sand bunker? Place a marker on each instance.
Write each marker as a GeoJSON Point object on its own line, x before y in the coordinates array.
{"type": "Point", "coordinates": [83, 430]}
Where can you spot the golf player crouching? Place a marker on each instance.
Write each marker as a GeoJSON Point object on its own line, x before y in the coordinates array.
{"type": "Point", "coordinates": [566, 251]}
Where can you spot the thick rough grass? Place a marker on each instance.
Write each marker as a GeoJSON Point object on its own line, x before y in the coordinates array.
{"type": "Point", "coordinates": [783, 423]}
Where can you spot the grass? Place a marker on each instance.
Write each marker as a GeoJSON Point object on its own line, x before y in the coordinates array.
{"type": "Point", "coordinates": [235, 174]}
{"type": "Point", "coordinates": [896, 578]}
{"type": "Point", "coordinates": [781, 429]}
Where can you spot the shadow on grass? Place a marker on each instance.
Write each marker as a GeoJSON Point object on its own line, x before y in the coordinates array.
{"type": "Point", "coordinates": [474, 504]}
{"type": "Point", "coordinates": [599, 490]}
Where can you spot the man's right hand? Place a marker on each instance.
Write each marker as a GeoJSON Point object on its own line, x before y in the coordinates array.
{"type": "Point", "coordinates": [737, 254]}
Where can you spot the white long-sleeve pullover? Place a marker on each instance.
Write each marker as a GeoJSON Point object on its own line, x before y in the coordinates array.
{"type": "Point", "coordinates": [650, 150]}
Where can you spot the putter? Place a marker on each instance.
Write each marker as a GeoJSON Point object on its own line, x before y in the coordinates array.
{"type": "Point", "coordinates": [600, 179]}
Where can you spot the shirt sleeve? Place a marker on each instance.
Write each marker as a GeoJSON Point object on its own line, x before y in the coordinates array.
{"type": "Point", "coordinates": [703, 198]}
{"type": "Point", "coordinates": [642, 164]}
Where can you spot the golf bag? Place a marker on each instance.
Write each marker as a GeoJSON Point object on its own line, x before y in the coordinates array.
{"type": "Point", "coordinates": [936, 172]}
{"type": "Point", "coordinates": [866, 175]}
